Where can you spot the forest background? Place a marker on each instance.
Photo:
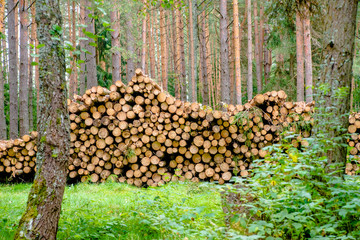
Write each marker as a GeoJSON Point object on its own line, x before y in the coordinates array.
{"type": "Point", "coordinates": [214, 52]}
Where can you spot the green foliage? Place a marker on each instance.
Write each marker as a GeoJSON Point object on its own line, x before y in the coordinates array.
{"type": "Point", "coordinates": [297, 199]}
{"type": "Point", "coordinates": [356, 94]}
{"type": "Point", "coordinates": [120, 211]}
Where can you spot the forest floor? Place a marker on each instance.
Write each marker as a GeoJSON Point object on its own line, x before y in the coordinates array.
{"type": "Point", "coordinates": [119, 211]}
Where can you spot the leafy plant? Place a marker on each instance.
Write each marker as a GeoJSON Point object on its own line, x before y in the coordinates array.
{"type": "Point", "coordinates": [297, 199]}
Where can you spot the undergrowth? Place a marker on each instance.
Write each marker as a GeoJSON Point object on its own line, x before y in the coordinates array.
{"type": "Point", "coordinates": [119, 211]}
{"type": "Point", "coordinates": [295, 198]}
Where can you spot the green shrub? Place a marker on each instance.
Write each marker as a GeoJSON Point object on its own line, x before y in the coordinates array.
{"type": "Point", "coordinates": [297, 199]}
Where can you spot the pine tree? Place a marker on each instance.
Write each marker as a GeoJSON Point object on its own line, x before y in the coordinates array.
{"type": "Point", "coordinates": [13, 70]}
{"type": "Point", "coordinates": [24, 70]}
{"type": "Point", "coordinates": [224, 54]}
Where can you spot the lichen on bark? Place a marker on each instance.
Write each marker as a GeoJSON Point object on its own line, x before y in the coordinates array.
{"type": "Point", "coordinates": [44, 203]}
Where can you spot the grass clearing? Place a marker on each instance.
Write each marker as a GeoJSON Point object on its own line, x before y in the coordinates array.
{"type": "Point", "coordinates": [119, 211]}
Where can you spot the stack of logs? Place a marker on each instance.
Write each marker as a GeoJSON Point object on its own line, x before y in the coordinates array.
{"type": "Point", "coordinates": [18, 156]}
{"type": "Point", "coordinates": [141, 135]}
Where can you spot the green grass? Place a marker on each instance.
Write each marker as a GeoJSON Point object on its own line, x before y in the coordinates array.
{"type": "Point", "coordinates": [119, 211]}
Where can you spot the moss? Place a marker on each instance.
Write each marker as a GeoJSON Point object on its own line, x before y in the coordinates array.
{"type": "Point", "coordinates": [43, 139]}
{"type": "Point", "coordinates": [37, 196]}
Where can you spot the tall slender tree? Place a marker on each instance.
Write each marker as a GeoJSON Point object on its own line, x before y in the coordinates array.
{"type": "Point", "coordinates": [82, 74]}
{"type": "Point", "coordinates": [36, 51]}
{"type": "Point", "coordinates": [299, 58]}
{"type": "Point", "coordinates": [115, 44]}
{"type": "Point", "coordinates": [74, 67]}
{"type": "Point", "coordinates": [91, 72]}
{"type": "Point", "coordinates": [249, 53]}
{"type": "Point", "coordinates": [203, 57]}
{"type": "Point", "coordinates": [152, 47]}
{"type": "Point", "coordinates": [192, 47]}
{"type": "Point", "coordinates": [24, 70]}
{"type": "Point", "coordinates": [143, 50]}
{"type": "Point", "coordinates": [183, 83]}
{"type": "Point", "coordinates": [130, 70]}
{"type": "Point", "coordinates": [257, 48]}
{"type": "Point", "coordinates": [3, 134]}
{"type": "Point", "coordinates": [164, 52]}
{"type": "Point", "coordinates": [237, 52]}
{"type": "Point", "coordinates": [72, 33]}
{"type": "Point", "coordinates": [267, 55]}
{"type": "Point", "coordinates": [224, 54]}
{"type": "Point", "coordinates": [40, 220]}
{"type": "Point", "coordinates": [307, 52]}
{"type": "Point", "coordinates": [13, 70]}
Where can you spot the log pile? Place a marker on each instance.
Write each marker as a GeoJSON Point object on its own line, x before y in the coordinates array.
{"type": "Point", "coordinates": [141, 135]}
{"type": "Point", "coordinates": [353, 166]}
{"type": "Point", "coordinates": [18, 157]}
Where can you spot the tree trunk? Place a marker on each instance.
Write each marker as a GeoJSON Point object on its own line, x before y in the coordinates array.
{"type": "Point", "coordinates": [224, 54]}
{"type": "Point", "coordinates": [36, 51]}
{"type": "Point", "coordinates": [192, 30]}
{"type": "Point", "coordinates": [91, 73]}
{"type": "Point", "coordinates": [203, 55]}
{"type": "Point", "coordinates": [336, 72]}
{"type": "Point", "coordinates": [164, 54]}
{"type": "Point", "coordinates": [13, 71]}
{"type": "Point", "coordinates": [40, 220]}
{"type": "Point", "coordinates": [209, 66]}
{"type": "Point", "coordinates": [73, 40]}
{"type": "Point", "coordinates": [237, 52]}
{"type": "Point", "coordinates": [249, 53]}
{"type": "Point", "coordinates": [31, 76]}
{"type": "Point", "coordinates": [3, 134]}
{"type": "Point", "coordinates": [143, 49]}
{"type": "Point", "coordinates": [71, 75]}
{"type": "Point", "coordinates": [299, 58]}
{"type": "Point", "coordinates": [115, 43]}
{"type": "Point", "coordinates": [261, 41]}
{"type": "Point", "coordinates": [24, 70]}
{"type": "Point", "coordinates": [291, 66]}
{"type": "Point", "coordinates": [180, 77]}
{"type": "Point", "coordinates": [130, 70]}
{"type": "Point", "coordinates": [308, 55]}
{"type": "Point", "coordinates": [72, 36]}
{"type": "Point", "coordinates": [152, 48]}
{"type": "Point", "coordinates": [231, 63]}
{"type": "Point", "coordinates": [267, 55]}
{"type": "Point", "coordinates": [183, 87]}
{"type": "Point", "coordinates": [257, 49]}
{"type": "Point", "coordinates": [82, 78]}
